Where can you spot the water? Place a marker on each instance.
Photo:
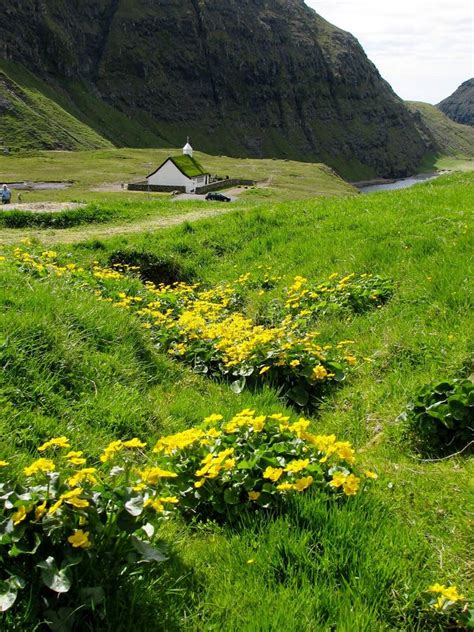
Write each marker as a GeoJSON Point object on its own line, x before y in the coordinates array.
{"type": "Point", "coordinates": [404, 183]}
{"type": "Point", "coordinates": [39, 186]}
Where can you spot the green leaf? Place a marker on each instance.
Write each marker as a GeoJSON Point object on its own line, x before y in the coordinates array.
{"type": "Point", "coordinates": [61, 620]}
{"type": "Point", "coordinates": [54, 578]}
{"type": "Point", "coordinates": [338, 371]}
{"type": "Point", "coordinates": [148, 552]}
{"type": "Point", "coordinates": [238, 386]}
{"type": "Point", "coordinates": [126, 522]}
{"type": "Point", "coordinates": [7, 597]}
{"type": "Point", "coordinates": [24, 549]}
{"type": "Point", "coordinates": [299, 395]}
{"type": "Point", "coordinates": [134, 506]}
{"type": "Point", "coordinates": [93, 595]}
{"type": "Point", "coordinates": [443, 387]}
{"type": "Point", "coordinates": [231, 496]}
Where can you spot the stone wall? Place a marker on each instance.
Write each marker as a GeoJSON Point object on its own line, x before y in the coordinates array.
{"type": "Point", "coordinates": [154, 188]}
{"type": "Point", "coordinates": [223, 184]}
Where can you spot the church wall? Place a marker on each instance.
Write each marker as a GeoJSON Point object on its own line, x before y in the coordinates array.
{"type": "Point", "coordinates": [170, 175]}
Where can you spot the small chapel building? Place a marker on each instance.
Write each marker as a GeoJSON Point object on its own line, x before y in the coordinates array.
{"type": "Point", "coordinates": [180, 171]}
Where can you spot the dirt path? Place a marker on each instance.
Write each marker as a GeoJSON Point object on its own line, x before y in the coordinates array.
{"type": "Point", "coordinates": [97, 231]}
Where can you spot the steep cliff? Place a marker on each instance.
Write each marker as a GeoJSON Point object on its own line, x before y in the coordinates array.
{"type": "Point", "coordinates": [242, 77]}
{"type": "Point", "coordinates": [460, 105]}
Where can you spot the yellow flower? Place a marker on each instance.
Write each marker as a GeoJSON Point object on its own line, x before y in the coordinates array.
{"type": "Point", "coordinates": [199, 483]}
{"type": "Point", "coordinates": [258, 424]}
{"type": "Point", "coordinates": [285, 487]}
{"type": "Point", "coordinates": [134, 443]}
{"type": "Point", "coordinates": [264, 370]}
{"type": "Point", "coordinates": [4, 463]}
{"type": "Point", "coordinates": [178, 441]}
{"type": "Point", "coordinates": [447, 593]}
{"type": "Point", "coordinates": [319, 372]}
{"type": "Point", "coordinates": [254, 495]}
{"type": "Point", "coordinates": [78, 503]}
{"type": "Point", "coordinates": [370, 474]}
{"type": "Point", "coordinates": [338, 480]}
{"type": "Point", "coordinates": [213, 419]}
{"type": "Point", "coordinates": [111, 450]}
{"type": "Point", "coordinates": [40, 465]}
{"type": "Point", "coordinates": [53, 509]}
{"type": "Point", "coordinates": [84, 475]}
{"type": "Point", "coordinates": [72, 498]}
{"type": "Point", "coordinates": [296, 466]}
{"type": "Point", "coordinates": [40, 511]}
{"type": "Point", "coordinates": [351, 485]}
{"type": "Point", "coordinates": [299, 427]}
{"type": "Point", "coordinates": [294, 363]}
{"type": "Point", "coordinates": [80, 539]}
{"type": "Point", "coordinates": [138, 488]}
{"type": "Point", "coordinates": [451, 594]}
{"type": "Point", "coordinates": [273, 473]}
{"type": "Point", "coordinates": [170, 499]}
{"type": "Point", "coordinates": [344, 451]}
{"type": "Point", "coordinates": [57, 442]}
{"type": "Point", "coordinates": [19, 515]}
{"type": "Point", "coordinates": [152, 475]}
{"type": "Point", "coordinates": [75, 457]}
{"type": "Point", "coordinates": [157, 505]}
{"type": "Point", "coordinates": [303, 483]}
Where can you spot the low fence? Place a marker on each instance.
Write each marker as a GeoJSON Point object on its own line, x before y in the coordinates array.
{"type": "Point", "coordinates": [153, 188]}
{"type": "Point", "coordinates": [213, 186]}
{"type": "Point", "coordinates": [223, 184]}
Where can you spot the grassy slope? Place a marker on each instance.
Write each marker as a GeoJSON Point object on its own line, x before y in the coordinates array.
{"type": "Point", "coordinates": [33, 119]}
{"type": "Point", "coordinates": [79, 367]}
{"type": "Point", "coordinates": [78, 100]}
{"type": "Point", "coordinates": [452, 139]}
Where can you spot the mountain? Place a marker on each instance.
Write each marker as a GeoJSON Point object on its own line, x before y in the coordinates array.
{"type": "Point", "coordinates": [441, 133]}
{"type": "Point", "coordinates": [460, 105]}
{"type": "Point", "coordinates": [262, 78]}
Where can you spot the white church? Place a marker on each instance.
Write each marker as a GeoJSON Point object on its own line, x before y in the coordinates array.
{"type": "Point", "coordinates": [180, 171]}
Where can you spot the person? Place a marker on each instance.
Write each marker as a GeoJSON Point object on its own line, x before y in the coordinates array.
{"type": "Point", "coordinates": [6, 195]}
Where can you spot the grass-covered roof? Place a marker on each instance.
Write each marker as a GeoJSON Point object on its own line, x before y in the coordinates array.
{"type": "Point", "coordinates": [189, 166]}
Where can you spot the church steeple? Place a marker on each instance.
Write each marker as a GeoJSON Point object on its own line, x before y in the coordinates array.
{"type": "Point", "coordinates": [187, 149]}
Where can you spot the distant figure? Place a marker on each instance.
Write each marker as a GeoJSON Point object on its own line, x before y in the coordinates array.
{"type": "Point", "coordinates": [19, 198]}
{"type": "Point", "coordinates": [6, 195]}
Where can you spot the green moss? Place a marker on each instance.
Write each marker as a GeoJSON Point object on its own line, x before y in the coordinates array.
{"type": "Point", "coordinates": [189, 166]}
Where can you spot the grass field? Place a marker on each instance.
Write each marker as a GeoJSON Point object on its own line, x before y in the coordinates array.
{"type": "Point", "coordinates": [77, 366]}
{"type": "Point", "coordinates": [91, 171]}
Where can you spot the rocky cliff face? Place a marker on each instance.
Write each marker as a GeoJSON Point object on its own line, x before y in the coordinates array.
{"type": "Point", "coordinates": [460, 105]}
{"type": "Point", "coordinates": [242, 77]}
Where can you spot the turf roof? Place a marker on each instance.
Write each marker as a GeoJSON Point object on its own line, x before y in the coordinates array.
{"type": "Point", "coordinates": [189, 166]}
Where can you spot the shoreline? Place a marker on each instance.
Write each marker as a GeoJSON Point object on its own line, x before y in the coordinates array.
{"type": "Point", "coordinates": [377, 181]}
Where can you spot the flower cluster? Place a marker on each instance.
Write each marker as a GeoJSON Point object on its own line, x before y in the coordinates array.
{"type": "Point", "coordinates": [307, 301]}
{"type": "Point", "coordinates": [206, 329]}
{"type": "Point", "coordinates": [447, 606]}
{"type": "Point", "coordinates": [65, 516]}
{"type": "Point", "coordinates": [255, 461]}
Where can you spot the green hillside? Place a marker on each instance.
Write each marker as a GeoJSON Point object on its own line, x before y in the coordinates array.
{"type": "Point", "coordinates": [31, 118]}
{"type": "Point", "coordinates": [448, 138]}
{"type": "Point", "coordinates": [89, 356]}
